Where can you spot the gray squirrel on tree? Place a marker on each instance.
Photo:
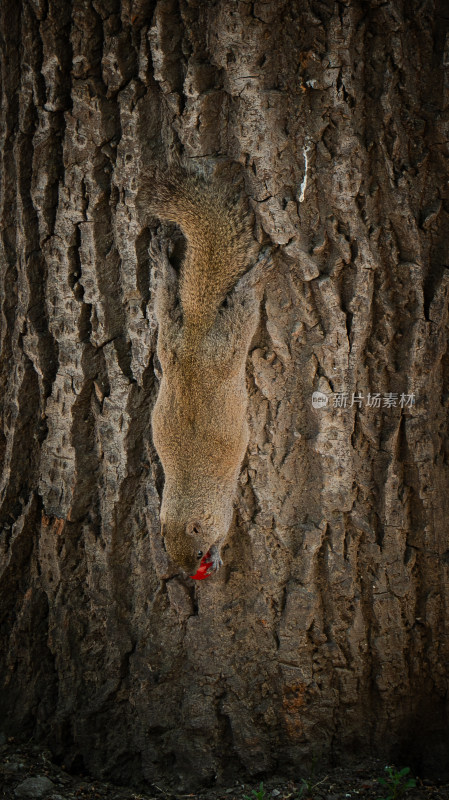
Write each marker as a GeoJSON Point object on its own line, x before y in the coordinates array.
{"type": "Point", "coordinates": [206, 319]}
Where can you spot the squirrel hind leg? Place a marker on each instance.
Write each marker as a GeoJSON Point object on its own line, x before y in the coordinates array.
{"type": "Point", "coordinates": [164, 272]}
{"type": "Point", "coordinates": [166, 303]}
{"type": "Point", "coordinates": [235, 327]}
{"type": "Point", "coordinates": [240, 316]}
{"type": "Point", "coordinates": [165, 285]}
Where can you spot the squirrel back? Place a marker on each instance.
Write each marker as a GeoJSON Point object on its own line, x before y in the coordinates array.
{"type": "Point", "coordinates": [219, 243]}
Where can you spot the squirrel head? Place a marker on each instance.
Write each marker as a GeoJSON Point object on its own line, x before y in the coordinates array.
{"type": "Point", "coordinates": [186, 545]}
{"type": "Point", "coordinates": [192, 530]}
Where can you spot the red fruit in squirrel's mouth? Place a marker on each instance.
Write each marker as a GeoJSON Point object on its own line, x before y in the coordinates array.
{"type": "Point", "coordinates": [202, 571]}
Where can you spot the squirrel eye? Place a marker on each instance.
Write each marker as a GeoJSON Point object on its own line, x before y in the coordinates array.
{"type": "Point", "coordinates": [199, 554]}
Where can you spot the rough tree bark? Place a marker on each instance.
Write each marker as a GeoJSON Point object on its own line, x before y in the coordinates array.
{"type": "Point", "coordinates": [326, 632]}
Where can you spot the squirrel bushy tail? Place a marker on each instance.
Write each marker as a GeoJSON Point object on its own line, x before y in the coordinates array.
{"type": "Point", "coordinates": [217, 226]}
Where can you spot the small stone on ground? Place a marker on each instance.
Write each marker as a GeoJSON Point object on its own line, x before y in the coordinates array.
{"type": "Point", "coordinates": [36, 787]}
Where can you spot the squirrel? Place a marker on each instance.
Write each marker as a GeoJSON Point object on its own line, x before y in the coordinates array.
{"type": "Point", "coordinates": [207, 317]}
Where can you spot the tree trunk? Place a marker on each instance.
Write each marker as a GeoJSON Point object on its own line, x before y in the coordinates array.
{"type": "Point", "coordinates": [325, 634]}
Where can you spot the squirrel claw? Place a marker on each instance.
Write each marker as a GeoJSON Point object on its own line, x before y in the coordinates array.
{"type": "Point", "coordinates": [213, 555]}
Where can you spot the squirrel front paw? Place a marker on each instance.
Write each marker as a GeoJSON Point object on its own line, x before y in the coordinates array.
{"type": "Point", "coordinates": [214, 556]}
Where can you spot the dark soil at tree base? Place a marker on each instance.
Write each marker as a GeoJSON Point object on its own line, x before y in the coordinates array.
{"type": "Point", "coordinates": [27, 771]}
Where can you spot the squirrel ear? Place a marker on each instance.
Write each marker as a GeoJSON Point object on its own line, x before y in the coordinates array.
{"type": "Point", "coordinates": [193, 529]}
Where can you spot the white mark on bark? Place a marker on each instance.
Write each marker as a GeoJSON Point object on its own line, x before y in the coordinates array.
{"type": "Point", "coordinates": [302, 188]}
